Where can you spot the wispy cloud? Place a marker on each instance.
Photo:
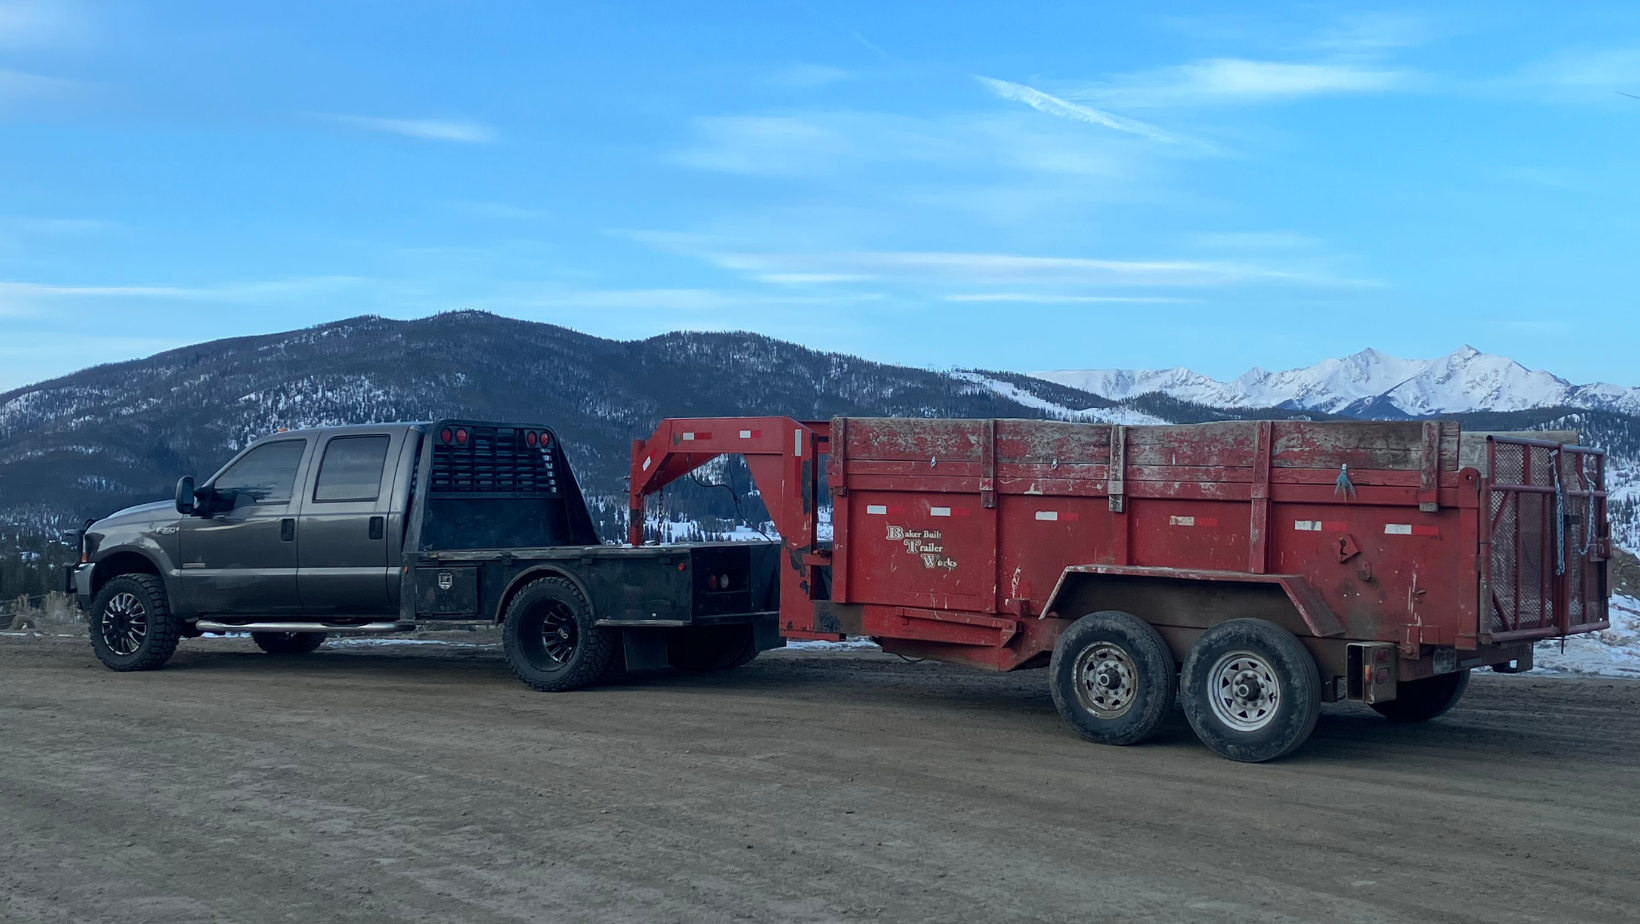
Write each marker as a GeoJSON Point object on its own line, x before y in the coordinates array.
{"type": "Point", "coordinates": [1239, 80]}
{"type": "Point", "coordinates": [1064, 109]}
{"type": "Point", "coordinates": [1033, 298]}
{"type": "Point", "coordinates": [428, 129]}
{"type": "Point", "coordinates": [21, 294]}
{"type": "Point", "coordinates": [949, 269]}
{"type": "Point", "coordinates": [767, 145]}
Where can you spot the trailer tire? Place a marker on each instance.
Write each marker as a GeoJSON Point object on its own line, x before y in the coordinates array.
{"type": "Point", "coordinates": [549, 639]}
{"type": "Point", "coordinates": [286, 643]}
{"type": "Point", "coordinates": [1251, 690]}
{"type": "Point", "coordinates": [132, 627]}
{"type": "Point", "coordinates": [1112, 678]}
{"type": "Point", "coordinates": [711, 648]}
{"type": "Point", "coordinates": [1422, 700]}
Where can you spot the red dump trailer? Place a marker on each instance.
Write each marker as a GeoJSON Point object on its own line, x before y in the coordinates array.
{"type": "Point", "coordinates": [1253, 569]}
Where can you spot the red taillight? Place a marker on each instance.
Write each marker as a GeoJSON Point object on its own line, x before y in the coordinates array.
{"type": "Point", "coordinates": [461, 436]}
{"type": "Point", "coordinates": [444, 435]}
{"type": "Point", "coordinates": [546, 440]}
{"type": "Point", "coordinates": [531, 438]}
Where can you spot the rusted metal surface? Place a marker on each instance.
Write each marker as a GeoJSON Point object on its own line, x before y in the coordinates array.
{"type": "Point", "coordinates": [954, 537]}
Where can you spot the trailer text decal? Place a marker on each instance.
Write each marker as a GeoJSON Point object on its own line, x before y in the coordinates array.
{"type": "Point", "coordinates": [925, 544]}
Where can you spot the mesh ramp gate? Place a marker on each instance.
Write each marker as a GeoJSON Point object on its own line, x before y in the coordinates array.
{"type": "Point", "coordinates": [1546, 515]}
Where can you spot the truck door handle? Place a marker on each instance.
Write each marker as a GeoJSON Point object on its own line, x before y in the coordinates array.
{"type": "Point", "coordinates": [287, 529]}
{"type": "Point", "coordinates": [378, 527]}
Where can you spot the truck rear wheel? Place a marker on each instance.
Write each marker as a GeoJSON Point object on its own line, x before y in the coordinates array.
{"type": "Point", "coordinates": [1422, 700]}
{"type": "Point", "coordinates": [549, 639]}
{"type": "Point", "coordinates": [280, 643]}
{"type": "Point", "coordinates": [132, 628]}
{"type": "Point", "coordinates": [1112, 678]}
{"type": "Point", "coordinates": [711, 648]}
{"type": "Point", "coordinates": [1251, 690]}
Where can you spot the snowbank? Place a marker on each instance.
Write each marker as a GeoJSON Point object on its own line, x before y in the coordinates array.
{"type": "Point", "coordinates": [1614, 652]}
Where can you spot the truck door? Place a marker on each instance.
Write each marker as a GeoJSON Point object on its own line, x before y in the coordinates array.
{"type": "Point", "coordinates": [242, 558]}
{"type": "Point", "coordinates": [342, 558]}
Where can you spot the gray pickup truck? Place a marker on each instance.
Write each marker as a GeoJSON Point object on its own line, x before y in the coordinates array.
{"type": "Point", "coordinates": [391, 527]}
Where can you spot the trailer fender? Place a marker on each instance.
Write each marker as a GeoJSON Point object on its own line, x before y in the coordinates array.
{"type": "Point", "coordinates": [540, 571]}
{"type": "Point", "coordinates": [1193, 598]}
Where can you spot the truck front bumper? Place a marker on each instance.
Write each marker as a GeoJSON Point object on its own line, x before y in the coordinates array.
{"type": "Point", "coordinates": [78, 580]}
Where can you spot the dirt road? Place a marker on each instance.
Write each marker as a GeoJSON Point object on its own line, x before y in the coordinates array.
{"type": "Point", "coordinates": [412, 784]}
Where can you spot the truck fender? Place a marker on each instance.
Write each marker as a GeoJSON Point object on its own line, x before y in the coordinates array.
{"type": "Point", "coordinates": [125, 559]}
{"type": "Point", "coordinates": [541, 571]}
{"type": "Point", "coordinates": [1193, 598]}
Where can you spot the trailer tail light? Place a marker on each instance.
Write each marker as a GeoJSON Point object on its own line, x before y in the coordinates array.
{"type": "Point", "coordinates": [444, 435]}
{"type": "Point", "coordinates": [723, 582]}
{"type": "Point", "coordinates": [461, 436]}
{"type": "Point", "coordinates": [532, 438]}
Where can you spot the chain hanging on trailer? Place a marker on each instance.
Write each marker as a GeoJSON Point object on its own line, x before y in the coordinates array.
{"type": "Point", "coordinates": [1560, 515]}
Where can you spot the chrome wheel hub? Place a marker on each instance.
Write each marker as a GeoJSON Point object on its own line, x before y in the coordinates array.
{"type": "Point", "coordinates": [1106, 680]}
{"type": "Point", "coordinates": [1243, 691]}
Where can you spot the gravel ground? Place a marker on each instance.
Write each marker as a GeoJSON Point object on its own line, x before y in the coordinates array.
{"type": "Point", "coordinates": [422, 783]}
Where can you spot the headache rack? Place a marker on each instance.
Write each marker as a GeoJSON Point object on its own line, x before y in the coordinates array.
{"type": "Point", "coordinates": [1544, 567]}
{"type": "Point", "coordinates": [492, 460]}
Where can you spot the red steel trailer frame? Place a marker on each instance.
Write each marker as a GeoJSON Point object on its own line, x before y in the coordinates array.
{"type": "Point", "coordinates": [984, 541]}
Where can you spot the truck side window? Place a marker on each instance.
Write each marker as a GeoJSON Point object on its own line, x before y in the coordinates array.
{"type": "Point", "coordinates": [265, 475]}
{"type": "Point", "coordinates": [351, 469]}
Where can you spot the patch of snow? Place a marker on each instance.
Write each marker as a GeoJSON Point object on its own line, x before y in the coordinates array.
{"type": "Point", "coordinates": [852, 643]}
{"type": "Point", "coordinates": [1113, 415]}
{"type": "Point", "coordinates": [1613, 652]}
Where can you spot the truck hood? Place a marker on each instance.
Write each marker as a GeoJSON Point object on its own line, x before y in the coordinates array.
{"type": "Point", "coordinates": [140, 515]}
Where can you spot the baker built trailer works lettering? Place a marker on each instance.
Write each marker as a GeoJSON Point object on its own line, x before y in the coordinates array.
{"type": "Point", "coordinates": [1254, 569]}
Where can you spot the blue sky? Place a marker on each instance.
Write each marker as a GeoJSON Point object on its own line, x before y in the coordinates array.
{"type": "Point", "coordinates": [1008, 186]}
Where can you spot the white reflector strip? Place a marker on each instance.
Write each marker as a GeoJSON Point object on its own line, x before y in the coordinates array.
{"type": "Point", "coordinates": [646, 464]}
{"type": "Point", "coordinates": [689, 436]}
{"type": "Point", "coordinates": [876, 508]}
{"type": "Point", "coordinates": [745, 434]}
{"type": "Point", "coordinates": [1047, 514]}
{"type": "Point", "coordinates": [939, 511]}
{"type": "Point", "coordinates": [1181, 521]}
{"type": "Point", "coordinates": [1308, 526]}
{"type": "Point", "coordinates": [1397, 529]}
{"type": "Point", "coordinates": [797, 442]}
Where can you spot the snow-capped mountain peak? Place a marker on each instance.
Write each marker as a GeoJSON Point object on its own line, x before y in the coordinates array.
{"type": "Point", "coordinates": [1371, 382]}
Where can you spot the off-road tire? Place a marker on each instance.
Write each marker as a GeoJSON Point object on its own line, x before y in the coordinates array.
{"type": "Point", "coordinates": [160, 632]}
{"type": "Point", "coordinates": [1275, 660]}
{"type": "Point", "coordinates": [1112, 678]}
{"type": "Point", "coordinates": [578, 653]}
{"type": "Point", "coordinates": [711, 648]}
{"type": "Point", "coordinates": [1422, 700]}
{"type": "Point", "coordinates": [286, 643]}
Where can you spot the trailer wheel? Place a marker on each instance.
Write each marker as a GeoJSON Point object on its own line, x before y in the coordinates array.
{"type": "Point", "coordinates": [283, 643]}
{"type": "Point", "coordinates": [1112, 678]}
{"type": "Point", "coordinates": [711, 648]}
{"type": "Point", "coordinates": [1422, 700]}
{"type": "Point", "coordinates": [132, 628]}
{"type": "Point", "coordinates": [1251, 690]}
{"type": "Point", "coordinates": [549, 639]}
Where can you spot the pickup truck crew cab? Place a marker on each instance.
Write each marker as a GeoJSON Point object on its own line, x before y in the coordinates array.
{"type": "Point", "coordinates": [385, 528]}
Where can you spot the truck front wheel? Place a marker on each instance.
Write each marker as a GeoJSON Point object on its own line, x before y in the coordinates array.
{"type": "Point", "coordinates": [1251, 690]}
{"type": "Point", "coordinates": [1112, 678]}
{"type": "Point", "coordinates": [1422, 700]}
{"type": "Point", "coordinates": [549, 639]}
{"type": "Point", "coordinates": [282, 643]}
{"type": "Point", "coordinates": [132, 628]}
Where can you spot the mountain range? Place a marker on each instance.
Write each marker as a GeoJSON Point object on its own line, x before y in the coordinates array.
{"type": "Point", "coordinates": [109, 436]}
{"type": "Point", "coordinates": [1368, 384]}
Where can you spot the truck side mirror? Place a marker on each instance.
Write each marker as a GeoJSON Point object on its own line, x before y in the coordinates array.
{"type": "Point", "coordinates": [185, 495]}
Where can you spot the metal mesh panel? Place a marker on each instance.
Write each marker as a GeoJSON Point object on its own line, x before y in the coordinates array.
{"type": "Point", "coordinates": [1544, 504]}
{"type": "Point", "coordinates": [493, 461]}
